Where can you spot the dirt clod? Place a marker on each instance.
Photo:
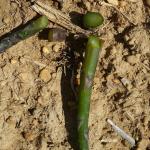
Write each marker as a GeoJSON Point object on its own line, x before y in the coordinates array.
{"type": "Point", "coordinates": [45, 75]}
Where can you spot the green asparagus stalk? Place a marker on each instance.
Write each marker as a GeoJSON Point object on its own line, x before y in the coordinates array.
{"type": "Point", "coordinates": [85, 89]}
{"type": "Point", "coordinates": [24, 33]}
{"type": "Point", "coordinates": [92, 20]}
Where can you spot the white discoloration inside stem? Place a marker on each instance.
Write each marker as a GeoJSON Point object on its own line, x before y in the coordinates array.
{"type": "Point", "coordinates": [88, 82]}
{"type": "Point", "coordinates": [86, 136]}
{"type": "Point", "coordinates": [80, 122]}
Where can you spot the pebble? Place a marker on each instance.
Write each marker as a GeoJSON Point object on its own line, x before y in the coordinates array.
{"type": "Point", "coordinates": [113, 2]}
{"type": "Point", "coordinates": [45, 50]}
{"type": "Point", "coordinates": [13, 61]}
{"type": "Point", "coordinates": [45, 75]}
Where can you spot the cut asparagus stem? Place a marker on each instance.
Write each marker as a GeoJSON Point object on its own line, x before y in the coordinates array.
{"type": "Point", "coordinates": [24, 33]}
{"type": "Point", "coordinates": [88, 70]}
{"type": "Point", "coordinates": [92, 19]}
{"type": "Point", "coordinates": [122, 133]}
{"type": "Point", "coordinates": [57, 34]}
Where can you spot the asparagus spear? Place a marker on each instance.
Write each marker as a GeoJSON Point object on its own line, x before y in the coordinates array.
{"type": "Point", "coordinates": [92, 20]}
{"type": "Point", "coordinates": [24, 33]}
{"type": "Point", "coordinates": [85, 89]}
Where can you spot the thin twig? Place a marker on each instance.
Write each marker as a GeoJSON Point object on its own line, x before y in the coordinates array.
{"type": "Point", "coordinates": [122, 133]}
{"type": "Point", "coordinates": [58, 17]}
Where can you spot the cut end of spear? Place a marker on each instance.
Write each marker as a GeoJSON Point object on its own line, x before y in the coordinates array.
{"type": "Point", "coordinates": [42, 22]}
{"type": "Point", "coordinates": [95, 42]}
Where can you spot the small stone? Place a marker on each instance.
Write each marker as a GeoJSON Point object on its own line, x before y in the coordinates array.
{"type": "Point", "coordinates": [45, 75]}
{"type": "Point", "coordinates": [113, 2]}
{"type": "Point", "coordinates": [56, 47]}
{"type": "Point", "coordinates": [120, 29]}
{"type": "Point", "coordinates": [133, 59]}
{"type": "Point", "coordinates": [13, 61]}
{"type": "Point", "coordinates": [45, 50]}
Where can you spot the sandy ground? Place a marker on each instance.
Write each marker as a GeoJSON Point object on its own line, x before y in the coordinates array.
{"type": "Point", "coordinates": [37, 104]}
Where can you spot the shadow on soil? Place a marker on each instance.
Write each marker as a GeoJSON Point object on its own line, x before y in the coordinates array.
{"type": "Point", "coordinates": [68, 97]}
